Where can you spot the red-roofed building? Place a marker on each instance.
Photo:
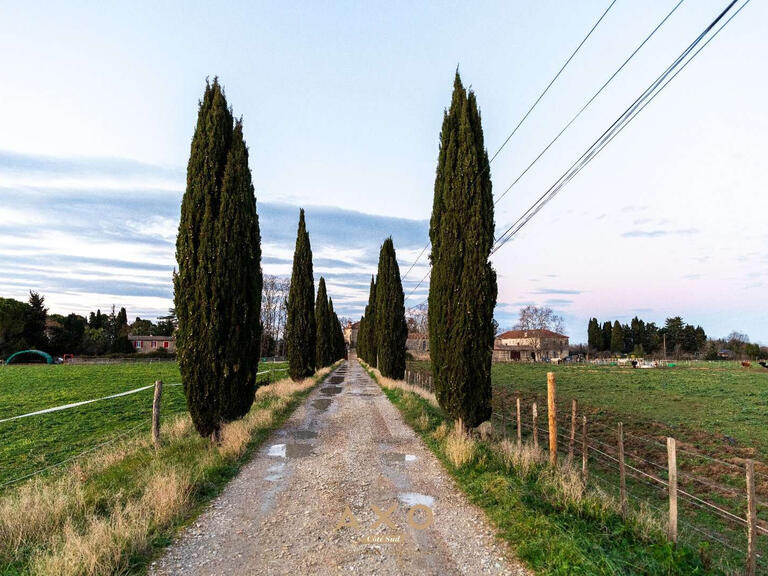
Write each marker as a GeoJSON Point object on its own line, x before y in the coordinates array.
{"type": "Point", "coordinates": [530, 346]}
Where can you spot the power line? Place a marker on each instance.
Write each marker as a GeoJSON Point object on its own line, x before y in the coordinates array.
{"type": "Point", "coordinates": [586, 105]}
{"type": "Point", "coordinates": [618, 125]}
{"type": "Point", "coordinates": [525, 116]}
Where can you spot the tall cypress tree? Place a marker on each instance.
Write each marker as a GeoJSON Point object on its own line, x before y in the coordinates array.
{"type": "Point", "coordinates": [370, 326]}
{"type": "Point", "coordinates": [337, 344]}
{"type": "Point", "coordinates": [237, 283]}
{"type": "Point", "coordinates": [607, 334]}
{"type": "Point", "coordinates": [462, 291]}
{"type": "Point", "coordinates": [324, 353]}
{"type": "Point", "coordinates": [217, 289]}
{"type": "Point", "coordinates": [360, 345]}
{"type": "Point", "coordinates": [391, 329]}
{"type": "Point", "coordinates": [594, 335]}
{"type": "Point", "coordinates": [300, 328]}
{"type": "Point", "coordinates": [617, 338]}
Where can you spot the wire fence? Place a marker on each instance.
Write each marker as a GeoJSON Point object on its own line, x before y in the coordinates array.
{"type": "Point", "coordinates": [716, 505]}
{"type": "Point", "coordinates": [38, 431]}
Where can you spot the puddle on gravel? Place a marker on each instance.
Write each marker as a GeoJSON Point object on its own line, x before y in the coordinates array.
{"type": "Point", "coordinates": [304, 434]}
{"type": "Point", "coordinates": [293, 450]}
{"type": "Point", "coordinates": [275, 473]}
{"type": "Point", "coordinates": [414, 498]}
{"type": "Point", "coordinates": [322, 403]}
{"type": "Point", "coordinates": [331, 390]}
{"type": "Point", "coordinates": [298, 450]}
{"type": "Point", "coordinates": [336, 380]}
{"type": "Point", "coordinates": [398, 458]}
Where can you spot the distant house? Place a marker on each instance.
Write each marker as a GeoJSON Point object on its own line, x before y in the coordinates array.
{"type": "Point", "coordinates": [417, 343]}
{"type": "Point", "coordinates": [530, 346]}
{"type": "Point", "coordinates": [350, 333]}
{"type": "Point", "coordinates": [147, 344]}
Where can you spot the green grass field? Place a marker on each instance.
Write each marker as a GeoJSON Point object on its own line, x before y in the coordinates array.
{"type": "Point", "coordinates": [31, 444]}
{"type": "Point", "coordinates": [717, 410]}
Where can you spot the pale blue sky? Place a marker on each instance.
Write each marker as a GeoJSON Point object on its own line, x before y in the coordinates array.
{"type": "Point", "coordinates": [342, 105]}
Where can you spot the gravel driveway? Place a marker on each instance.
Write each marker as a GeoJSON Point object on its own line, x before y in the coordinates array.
{"type": "Point", "coordinates": [346, 447]}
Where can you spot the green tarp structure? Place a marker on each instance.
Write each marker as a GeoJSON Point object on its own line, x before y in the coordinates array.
{"type": "Point", "coordinates": [48, 357]}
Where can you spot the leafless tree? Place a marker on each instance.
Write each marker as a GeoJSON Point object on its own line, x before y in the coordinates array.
{"type": "Point", "coordinates": [539, 318]}
{"type": "Point", "coordinates": [273, 311]}
{"type": "Point", "coordinates": [418, 319]}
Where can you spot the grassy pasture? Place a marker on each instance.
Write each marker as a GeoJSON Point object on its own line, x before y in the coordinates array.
{"type": "Point", "coordinates": [33, 443]}
{"type": "Point", "coordinates": [718, 410]}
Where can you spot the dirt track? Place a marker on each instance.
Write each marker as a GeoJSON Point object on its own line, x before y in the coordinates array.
{"type": "Point", "coordinates": [347, 446]}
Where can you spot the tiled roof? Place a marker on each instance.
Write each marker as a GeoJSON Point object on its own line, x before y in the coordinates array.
{"type": "Point", "coordinates": [513, 334]}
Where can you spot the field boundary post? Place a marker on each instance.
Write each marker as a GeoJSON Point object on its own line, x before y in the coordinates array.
{"type": "Point", "coordinates": [572, 439]}
{"type": "Point", "coordinates": [519, 425]}
{"type": "Point", "coordinates": [584, 454]}
{"type": "Point", "coordinates": [552, 417]}
{"type": "Point", "coordinates": [535, 413]}
{"type": "Point", "coordinates": [503, 420]}
{"type": "Point", "coordinates": [622, 471]}
{"type": "Point", "coordinates": [751, 521]}
{"type": "Point", "coordinates": [156, 413]}
{"type": "Point", "coordinates": [672, 470]}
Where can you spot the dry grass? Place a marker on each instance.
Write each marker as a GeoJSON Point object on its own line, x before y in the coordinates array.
{"type": "Point", "coordinates": [422, 423]}
{"type": "Point", "coordinates": [459, 446]}
{"type": "Point", "coordinates": [391, 384]}
{"type": "Point", "coordinates": [441, 431]}
{"type": "Point", "coordinates": [37, 510]}
{"type": "Point", "coordinates": [71, 534]}
{"type": "Point", "coordinates": [522, 459]}
{"type": "Point", "coordinates": [167, 494]}
{"type": "Point", "coordinates": [485, 431]}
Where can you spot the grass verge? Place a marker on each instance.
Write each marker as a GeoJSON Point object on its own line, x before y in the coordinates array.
{"type": "Point", "coordinates": [552, 523]}
{"type": "Point", "coordinates": [111, 512]}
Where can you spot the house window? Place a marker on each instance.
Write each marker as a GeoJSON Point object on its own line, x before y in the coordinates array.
{"type": "Point", "coordinates": [165, 344]}
{"type": "Point", "coordinates": [138, 343]}
{"type": "Point", "coordinates": [154, 343]}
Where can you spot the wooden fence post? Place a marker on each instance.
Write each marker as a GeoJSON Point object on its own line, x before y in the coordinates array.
{"type": "Point", "coordinates": [156, 413]}
{"type": "Point", "coordinates": [572, 439]}
{"type": "Point", "coordinates": [751, 520]}
{"type": "Point", "coordinates": [503, 420]}
{"type": "Point", "coordinates": [552, 416]}
{"type": "Point", "coordinates": [535, 426]}
{"type": "Point", "coordinates": [622, 472]}
{"type": "Point", "coordinates": [519, 425]}
{"type": "Point", "coordinates": [584, 454]}
{"type": "Point", "coordinates": [672, 465]}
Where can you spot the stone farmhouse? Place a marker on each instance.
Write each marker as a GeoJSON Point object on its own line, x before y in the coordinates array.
{"type": "Point", "coordinates": [530, 346]}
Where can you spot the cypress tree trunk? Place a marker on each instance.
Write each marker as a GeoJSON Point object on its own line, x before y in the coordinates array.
{"type": "Point", "coordinates": [217, 290]}
{"type": "Point", "coordinates": [391, 329]}
{"type": "Point", "coordinates": [323, 322]}
{"type": "Point", "coordinates": [462, 291]}
{"type": "Point", "coordinates": [300, 328]}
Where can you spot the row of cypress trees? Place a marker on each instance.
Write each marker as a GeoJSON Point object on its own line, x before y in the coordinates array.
{"type": "Point", "coordinates": [313, 334]}
{"type": "Point", "coordinates": [383, 330]}
{"type": "Point", "coordinates": [217, 289]}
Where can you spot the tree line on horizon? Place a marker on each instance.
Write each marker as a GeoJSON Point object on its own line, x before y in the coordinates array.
{"type": "Point", "coordinates": [640, 337]}
{"type": "Point", "coordinates": [29, 325]}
